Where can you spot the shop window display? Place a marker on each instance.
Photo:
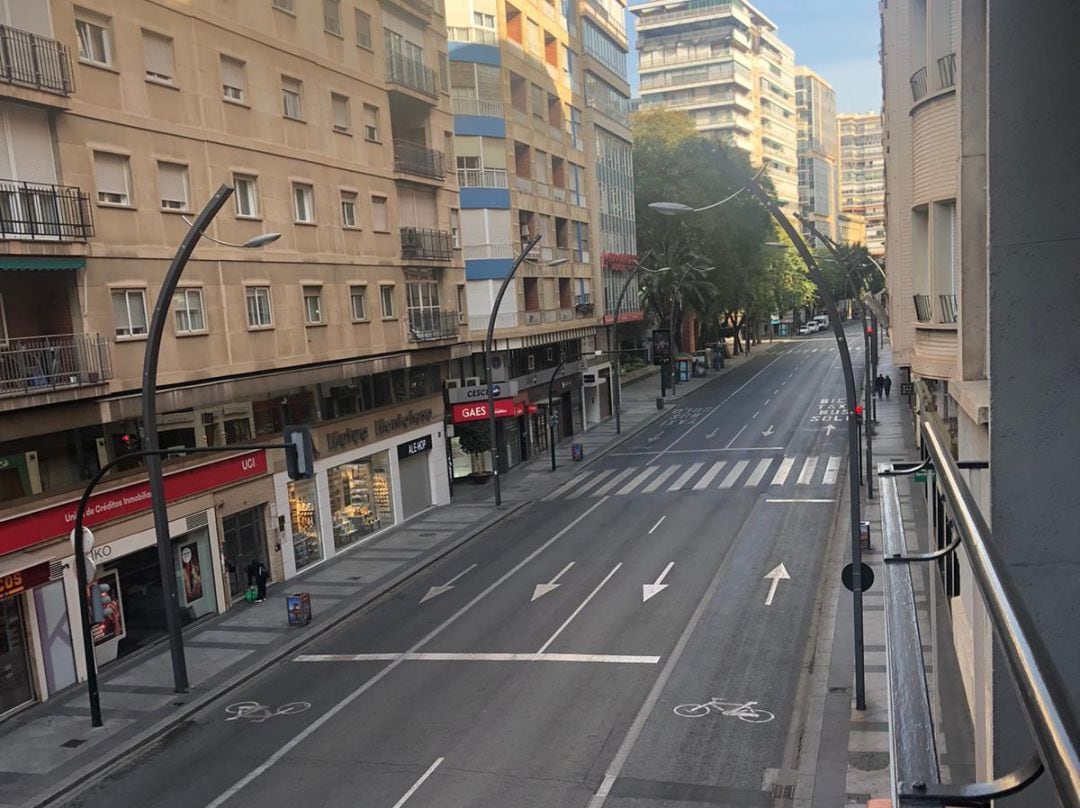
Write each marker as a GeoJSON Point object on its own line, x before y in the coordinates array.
{"type": "Point", "coordinates": [304, 511]}
{"type": "Point", "coordinates": [360, 498]}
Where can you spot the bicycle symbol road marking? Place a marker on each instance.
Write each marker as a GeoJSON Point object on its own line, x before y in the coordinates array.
{"type": "Point", "coordinates": [744, 711]}
{"type": "Point", "coordinates": [257, 713]}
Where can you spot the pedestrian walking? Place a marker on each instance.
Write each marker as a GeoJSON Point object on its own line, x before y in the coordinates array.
{"type": "Point", "coordinates": [879, 385]}
{"type": "Point", "coordinates": [262, 575]}
{"type": "Point", "coordinates": [888, 385]}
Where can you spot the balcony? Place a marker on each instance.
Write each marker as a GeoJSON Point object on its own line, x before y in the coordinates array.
{"type": "Point", "coordinates": [703, 11]}
{"type": "Point", "coordinates": [472, 33]}
{"type": "Point", "coordinates": [583, 304]}
{"type": "Point", "coordinates": [918, 84]}
{"type": "Point", "coordinates": [949, 311]}
{"type": "Point", "coordinates": [565, 314]}
{"type": "Point", "coordinates": [533, 317]}
{"type": "Point", "coordinates": [482, 177]}
{"type": "Point", "coordinates": [31, 211]}
{"type": "Point", "coordinates": [610, 19]}
{"type": "Point", "coordinates": [923, 312]}
{"type": "Point", "coordinates": [420, 243]}
{"type": "Point", "coordinates": [474, 252]}
{"type": "Point", "coordinates": [432, 325]}
{"type": "Point", "coordinates": [464, 105]}
{"type": "Point", "coordinates": [504, 319]}
{"type": "Point", "coordinates": [422, 7]}
{"type": "Point", "coordinates": [946, 66]}
{"type": "Point", "coordinates": [29, 60]}
{"type": "Point", "coordinates": [30, 365]}
{"type": "Point", "coordinates": [411, 73]}
{"type": "Point", "coordinates": [418, 160]}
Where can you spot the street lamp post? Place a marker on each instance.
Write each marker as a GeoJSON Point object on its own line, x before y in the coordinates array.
{"type": "Point", "coordinates": [487, 363]}
{"type": "Point", "coordinates": [615, 341]}
{"type": "Point", "coordinates": [149, 420]}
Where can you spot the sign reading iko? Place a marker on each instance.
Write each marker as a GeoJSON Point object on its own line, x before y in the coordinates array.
{"type": "Point", "coordinates": [414, 447]}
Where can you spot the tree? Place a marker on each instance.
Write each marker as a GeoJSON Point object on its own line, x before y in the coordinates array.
{"type": "Point", "coordinates": [475, 440]}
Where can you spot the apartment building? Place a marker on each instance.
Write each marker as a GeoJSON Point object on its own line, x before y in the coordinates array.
{"type": "Point", "coordinates": [862, 174]}
{"type": "Point", "coordinates": [118, 120]}
{"type": "Point", "coordinates": [982, 288]}
{"type": "Point", "coordinates": [723, 62]}
{"type": "Point", "coordinates": [542, 148]}
{"type": "Point", "coordinates": [819, 152]}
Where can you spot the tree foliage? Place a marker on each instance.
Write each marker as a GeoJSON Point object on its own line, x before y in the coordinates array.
{"type": "Point", "coordinates": [475, 437]}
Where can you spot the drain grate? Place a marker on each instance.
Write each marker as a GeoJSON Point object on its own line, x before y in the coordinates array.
{"type": "Point", "coordinates": [73, 743]}
{"type": "Point", "coordinates": [780, 792]}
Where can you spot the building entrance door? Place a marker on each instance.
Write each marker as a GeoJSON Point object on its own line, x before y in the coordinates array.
{"type": "Point", "coordinates": [244, 543]}
{"type": "Point", "coordinates": [15, 685]}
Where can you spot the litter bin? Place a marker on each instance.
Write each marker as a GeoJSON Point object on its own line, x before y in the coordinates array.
{"type": "Point", "coordinates": [298, 605]}
{"type": "Point", "coordinates": [577, 451]}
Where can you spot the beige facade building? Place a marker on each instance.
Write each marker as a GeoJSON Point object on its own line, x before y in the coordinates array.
{"type": "Point", "coordinates": [819, 151]}
{"type": "Point", "coordinates": [862, 175]}
{"type": "Point", "coordinates": [723, 62]}
{"type": "Point", "coordinates": [118, 120]}
{"type": "Point", "coordinates": [850, 228]}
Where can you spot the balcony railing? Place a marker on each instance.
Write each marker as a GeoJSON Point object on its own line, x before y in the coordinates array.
{"type": "Point", "coordinates": [472, 33]}
{"type": "Point", "coordinates": [425, 244]}
{"type": "Point", "coordinates": [533, 317]}
{"type": "Point", "coordinates": [566, 314]}
{"type": "Point", "coordinates": [524, 184]}
{"type": "Point", "coordinates": [424, 7]}
{"type": "Point", "coordinates": [38, 364]}
{"type": "Point", "coordinates": [418, 160]}
{"type": "Point", "coordinates": [948, 308]}
{"type": "Point", "coordinates": [36, 212]}
{"type": "Point", "coordinates": [464, 105]}
{"type": "Point", "coordinates": [946, 66]}
{"type": "Point", "coordinates": [702, 10]}
{"type": "Point", "coordinates": [480, 251]}
{"type": "Point", "coordinates": [918, 84]}
{"type": "Point", "coordinates": [410, 72]}
{"type": "Point", "coordinates": [584, 301]}
{"type": "Point", "coordinates": [504, 319]}
{"type": "Point", "coordinates": [481, 177]}
{"type": "Point", "coordinates": [30, 60]}
{"type": "Point", "coordinates": [613, 20]}
{"type": "Point", "coordinates": [430, 325]}
{"type": "Point", "coordinates": [923, 312]}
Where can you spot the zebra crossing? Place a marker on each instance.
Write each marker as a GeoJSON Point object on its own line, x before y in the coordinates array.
{"type": "Point", "coordinates": [769, 472]}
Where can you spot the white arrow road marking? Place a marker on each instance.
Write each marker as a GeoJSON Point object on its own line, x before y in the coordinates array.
{"type": "Point", "coordinates": [418, 783]}
{"type": "Point", "coordinates": [829, 429]}
{"type": "Point", "coordinates": [778, 572]}
{"type": "Point", "coordinates": [711, 435]}
{"type": "Point", "coordinates": [648, 590]}
{"type": "Point", "coordinates": [654, 438]}
{"type": "Point", "coordinates": [577, 611]}
{"type": "Point", "coordinates": [658, 521]}
{"type": "Point", "coordinates": [550, 586]}
{"type": "Point", "coordinates": [435, 591]}
{"type": "Point", "coordinates": [768, 431]}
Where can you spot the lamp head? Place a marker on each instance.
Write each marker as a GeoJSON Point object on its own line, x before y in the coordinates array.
{"type": "Point", "coordinates": [261, 240]}
{"type": "Point", "coordinates": [671, 208]}
{"type": "Point", "coordinates": [555, 262]}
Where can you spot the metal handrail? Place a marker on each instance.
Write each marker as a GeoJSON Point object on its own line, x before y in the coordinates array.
{"type": "Point", "coordinates": [918, 84]}
{"type": "Point", "coordinates": [1045, 702]}
{"type": "Point", "coordinates": [31, 60]}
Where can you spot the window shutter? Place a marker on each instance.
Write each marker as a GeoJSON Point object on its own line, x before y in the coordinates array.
{"type": "Point", "coordinates": [341, 111]}
{"type": "Point", "coordinates": [426, 212]}
{"type": "Point", "coordinates": [232, 72]}
{"type": "Point", "coordinates": [158, 52]}
{"type": "Point", "coordinates": [379, 216]}
{"type": "Point", "coordinates": [110, 173]}
{"type": "Point", "coordinates": [173, 182]}
{"type": "Point", "coordinates": [488, 83]}
{"type": "Point", "coordinates": [463, 78]}
{"type": "Point", "coordinates": [467, 146]}
{"type": "Point", "coordinates": [494, 152]}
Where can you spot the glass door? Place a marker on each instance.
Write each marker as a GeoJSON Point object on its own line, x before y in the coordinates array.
{"type": "Point", "coordinates": [15, 686]}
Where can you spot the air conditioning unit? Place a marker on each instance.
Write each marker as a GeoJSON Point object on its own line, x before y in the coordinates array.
{"type": "Point", "coordinates": [453, 384]}
{"type": "Point", "coordinates": [472, 381]}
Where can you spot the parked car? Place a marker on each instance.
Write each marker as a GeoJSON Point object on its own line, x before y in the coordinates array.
{"type": "Point", "coordinates": [804, 330]}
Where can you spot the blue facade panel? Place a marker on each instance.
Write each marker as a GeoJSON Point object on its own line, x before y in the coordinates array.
{"type": "Point", "coordinates": [479, 125]}
{"type": "Point", "coordinates": [472, 198]}
{"type": "Point", "coordinates": [486, 269]}
{"type": "Point", "coordinates": [471, 52]}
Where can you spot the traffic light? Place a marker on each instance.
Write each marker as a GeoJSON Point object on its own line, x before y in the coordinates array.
{"type": "Point", "coordinates": [299, 453]}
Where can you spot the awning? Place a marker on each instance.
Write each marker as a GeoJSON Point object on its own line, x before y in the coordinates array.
{"type": "Point", "coordinates": [29, 262]}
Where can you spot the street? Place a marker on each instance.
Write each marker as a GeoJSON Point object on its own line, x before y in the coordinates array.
{"type": "Point", "coordinates": [543, 662]}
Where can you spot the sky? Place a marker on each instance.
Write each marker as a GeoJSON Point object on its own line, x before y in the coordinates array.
{"type": "Point", "coordinates": [838, 39]}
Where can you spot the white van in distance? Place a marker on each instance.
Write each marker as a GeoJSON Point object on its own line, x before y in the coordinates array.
{"type": "Point", "coordinates": [823, 321]}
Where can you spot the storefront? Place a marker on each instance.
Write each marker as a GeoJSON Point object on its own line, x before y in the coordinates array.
{"type": "Point", "coordinates": [372, 474]}
{"type": "Point", "coordinates": [511, 432]}
{"type": "Point", "coordinates": [243, 544]}
{"type": "Point", "coordinates": [596, 394]}
{"type": "Point", "coordinates": [17, 686]}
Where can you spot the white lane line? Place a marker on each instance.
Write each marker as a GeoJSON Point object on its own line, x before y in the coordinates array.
{"type": "Point", "coordinates": [657, 482]}
{"type": "Point", "coordinates": [733, 475]}
{"type": "Point", "coordinates": [791, 501]}
{"type": "Point", "coordinates": [562, 489]}
{"type": "Point", "coordinates": [708, 476]}
{"type": "Point", "coordinates": [610, 659]}
{"type": "Point", "coordinates": [807, 473]}
{"type": "Point", "coordinates": [759, 472]}
{"type": "Point", "coordinates": [776, 391]}
{"type": "Point", "coordinates": [784, 470]}
{"type": "Point", "coordinates": [614, 481]}
{"type": "Point", "coordinates": [684, 478]}
{"type": "Point", "coordinates": [577, 611]}
{"type": "Point", "coordinates": [577, 492]}
{"type": "Point", "coordinates": [658, 521]}
{"type": "Point", "coordinates": [832, 469]}
{"type": "Point", "coordinates": [736, 436]}
{"type": "Point", "coordinates": [766, 404]}
{"type": "Point", "coordinates": [755, 415]}
{"type": "Point", "coordinates": [418, 783]}
{"type": "Point", "coordinates": [318, 723]}
{"type": "Point", "coordinates": [634, 483]}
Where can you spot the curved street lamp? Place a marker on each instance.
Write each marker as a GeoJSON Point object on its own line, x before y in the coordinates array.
{"type": "Point", "coordinates": [614, 341]}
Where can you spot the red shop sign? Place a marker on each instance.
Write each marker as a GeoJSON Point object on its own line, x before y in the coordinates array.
{"type": "Point", "coordinates": [32, 528]}
{"type": "Point", "coordinates": [13, 583]}
{"type": "Point", "coordinates": [478, 411]}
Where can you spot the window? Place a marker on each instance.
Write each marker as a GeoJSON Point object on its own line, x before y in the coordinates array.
{"type": "Point", "coordinates": [363, 29]}
{"type": "Point", "coordinates": [258, 306]}
{"type": "Point", "coordinates": [444, 73]}
{"type": "Point", "coordinates": [386, 299]}
{"type": "Point", "coordinates": [173, 183]}
{"type": "Point", "coordinates": [290, 98]}
{"type": "Point", "coordinates": [188, 311]}
{"type": "Point", "coordinates": [112, 173]}
{"type": "Point", "coordinates": [95, 40]}
{"type": "Point", "coordinates": [232, 79]}
{"type": "Point", "coordinates": [331, 12]}
{"type": "Point", "coordinates": [455, 229]}
{"type": "Point", "coordinates": [247, 195]}
{"type": "Point", "coordinates": [158, 57]}
{"type": "Point", "coordinates": [358, 299]}
{"type": "Point", "coordinates": [371, 123]}
{"type": "Point", "coordinates": [303, 202]}
{"type": "Point", "coordinates": [313, 305]}
{"type": "Point", "coordinates": [284, 5]}
{"type": "Point", "coordinates": [340, 104]}
{"type": "Point", "coordinates": [380, 221]}
{"type": "Point", "coordinates": [129, 312]}
{"type": "Point", "coordinates": [348, 209]}
{"type": "Point", "coordinates": [484, 20]}
{"type": "Point", "coordinates": [462, 309]}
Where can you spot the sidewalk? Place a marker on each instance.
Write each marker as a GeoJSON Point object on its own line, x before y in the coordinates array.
{"type": "Point", "coordinates": [49, 748]}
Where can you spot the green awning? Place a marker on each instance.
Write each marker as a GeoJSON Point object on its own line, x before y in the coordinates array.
{"type": "Point", "coordinates": [28, 262]}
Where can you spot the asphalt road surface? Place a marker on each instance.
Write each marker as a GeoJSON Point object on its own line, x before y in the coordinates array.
{"type": "Point", "coordinates": [618, 643]}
